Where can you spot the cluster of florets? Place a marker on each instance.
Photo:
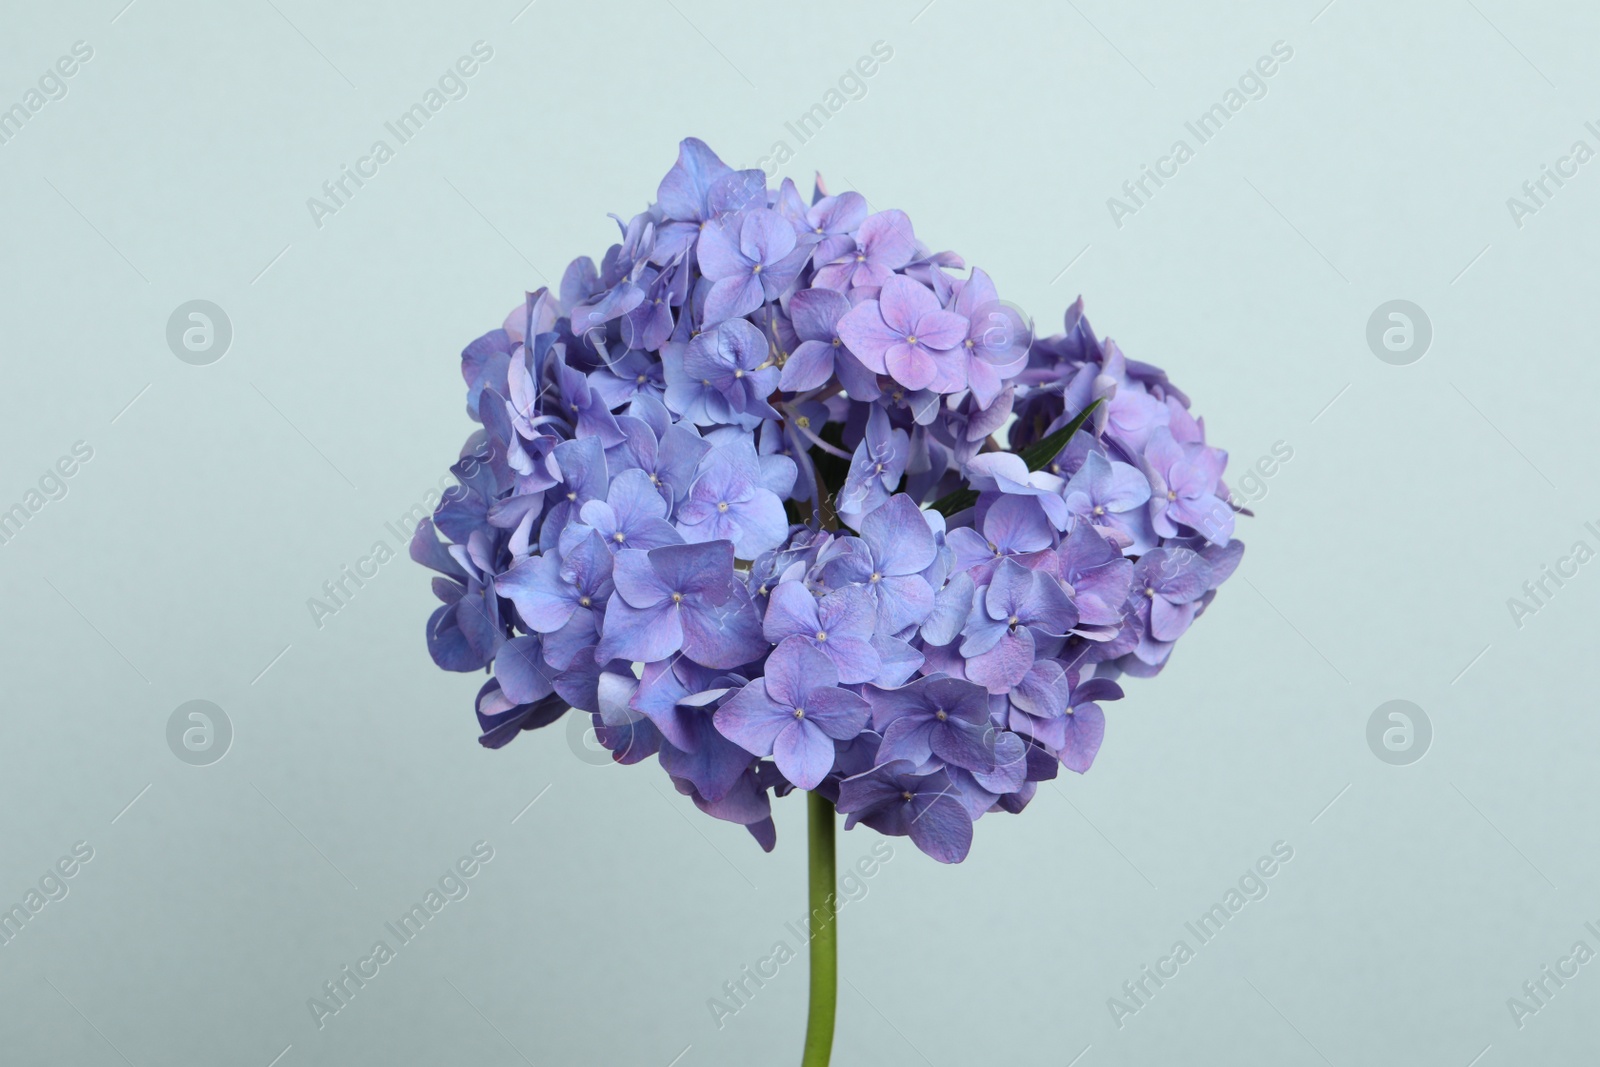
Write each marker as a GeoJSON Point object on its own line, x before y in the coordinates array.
{"type": "Point", "coordinates": [740, 494]}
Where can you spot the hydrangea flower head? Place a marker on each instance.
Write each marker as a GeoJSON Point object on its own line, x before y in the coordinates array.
{"type": "Point", "coordinates": [783, 498]}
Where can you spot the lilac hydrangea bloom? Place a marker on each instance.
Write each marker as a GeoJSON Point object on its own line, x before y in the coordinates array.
{"type": "Point", "coordinates": [822, 353]}
{"type": "Point", "coordinates": [749, 492]}
{"type": "Point", "coordinates": [750, 259]}
{"type": "Point", "coordinates": [1013, 526]}
{"type": "Point", "coordinates": [680, 598]}
{"type": "Point", "coordinates": [794, 713]}
{"type": "Point", "coordinates": [728, 501]}
{"type": "Point", "coordinates": [839, 624]}
{"type": "Point", "coordinates": [935, 716]}
{"type": "Point", "coordinates": [905, 334]}
{"type": "Point", "coordinates": [876, 468]}
{"type": "Point", "coordinates": [883, 244]}
{"type": "Point", "coordinates": [633, 514]}
{"type": "Point", "coordinates": [887, 560]}
{"type": "Point", "coordinates": [894, 799]}
{"type": "Point", "coordinates": [1109, 494]}
{"type": "Point", "coordinates": [1183, 485]}
{"type": "Point", "coordinates": [1009, 617]}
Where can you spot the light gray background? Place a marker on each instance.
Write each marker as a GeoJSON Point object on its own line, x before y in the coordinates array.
{"type": "Point", "coordinates": [178, 566]}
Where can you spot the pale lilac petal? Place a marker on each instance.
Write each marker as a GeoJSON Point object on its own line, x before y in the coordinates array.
{"type": "Point", "coordinates": [1004, 665]}
{"type": "Point", "coordinates": [869, 337]}
{"type": "Point", "coordinates": [803, 753]}
{"type": "Point", "coordinates": [899, 661]}
{"type": "Point", "coordinates": [791, 609]}
{"type": "Point", "coordinates": [761, 523]}
{"type": "Point", "coordinates": [640, 635]}
{"type": "Point", "coordinates": [942, 829]}
{"type": "Point", "coordinates": [636, 579]}
{"type": "Point", "coordinates": [718, 253]}
{"type": "Point", "coordinates": [889, 239]}
{"type": "Point", "coordinates": [855, 658]}
{"type": "Point", "coordinates": [543, 600]}
{"type": "Point", "coordinates": [724, 635]}
{"type": "Point", "coordinates": [941, 330]}
{"type": "Point", "coordinates": [815, 313]}
{"type": "Point", "coordinates": [682, 193]}
{"type": "Point", "coordinates": [751, 720]}
{"type": "Point", "coordinates": [901, 540]}
{"type": "Point", "coordinates": [766, 236]}
{"type": "Point", "coordinates": [1169, 621]}
{"type": "Point", "coordinates": [904, 302]}
{"type": "Point", "coordinates": [732, 297]}
{"type": "Point", "coordinates": [809, 366]}
{"type": "Point", "coordinates": [1086, 728]}
{"type": "Point", "coordinates": [910, 365]}
{"type": "Point", "coordinates": [794, 669]}
{"type": "Point", "coordinates": [838, 713]}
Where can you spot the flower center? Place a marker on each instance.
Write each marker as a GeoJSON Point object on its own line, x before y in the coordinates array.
{"type": "Point", "coordinates": [619, 537]}
{"type": "Point", "coordinates": [1099, 510]}
{"type": "Point", "coordinates": [1172, 494]}
{"type": "Point", "coordinates": [756, 269]}
{"type": "Point", "coordinates": [822, 635]}
{"type": "Point", "coordinates": [722, 505]}
{"type": "Point", "coordinates": [803, 422]}
{"type": "Point", "coordinates": [837, 342]}
{"type": "Point", "coordinates": [860, 258]}
{"type": "Point", "coordinates": [584, 601]}
{"type": "Point", "coordinates": [799, 713]}
{"type": "Point", "coordinates": [642, 379]}
{"type": "Point", "coordinates": [677, 598]}
{"type": "Point", "coordinates": [908, 795]}
{"type": "Point", "coordinates": [911, 339]}
{"type": "Point", "coordinates": [1149, 592]}
{"type": "Point", "coordinates": [572, 496]}
{"type": "Point", "coordinates": [654, 480]}
{"type": "Point", "coordinates": [738, 372]}
{"type": "Point", "coordinates": [1011, 621]}
{"type": "Point", "coordinates": [875, 577]}
{"type": "Point", "coordinates": [939, 713]}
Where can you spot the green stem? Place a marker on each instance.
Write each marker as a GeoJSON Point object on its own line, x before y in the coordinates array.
{"type": "Point", "coordinates": [824, 933]}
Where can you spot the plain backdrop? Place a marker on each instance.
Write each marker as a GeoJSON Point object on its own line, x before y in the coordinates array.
{"type": "Point", "coordinates": [219, 498]}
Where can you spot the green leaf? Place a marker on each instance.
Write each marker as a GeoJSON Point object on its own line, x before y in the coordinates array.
{"type": "Point", "coordinates": [1037, 455]}
{"type": "Point", "coordinates": [950, 503]}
